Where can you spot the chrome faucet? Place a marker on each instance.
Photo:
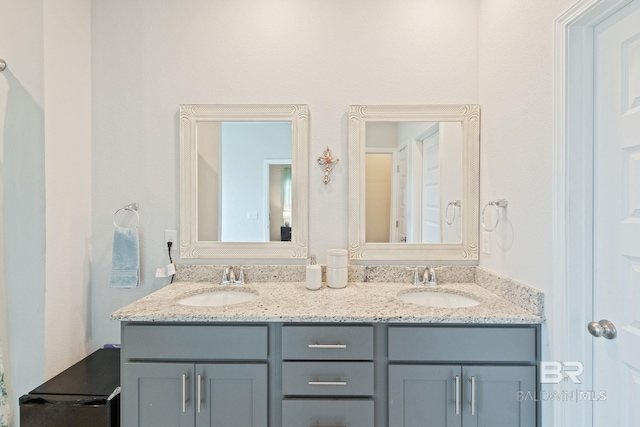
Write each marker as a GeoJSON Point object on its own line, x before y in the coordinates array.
{"type": "Point", "coordinates": [229, 275]}
{"type": "Point", "coordinates": [428, 276]}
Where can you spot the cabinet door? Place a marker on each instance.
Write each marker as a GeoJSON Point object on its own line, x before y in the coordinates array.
{"type": "Point", "coordinates": [157, 395]}
{"type": "Point", "coordinates": [495, 394]}
{"type": "Point", "coordinates": [231, 395]}
{"type": "Point", "coordinates": [424, 395]}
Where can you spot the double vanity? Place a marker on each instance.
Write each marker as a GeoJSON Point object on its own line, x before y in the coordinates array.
{"type": "Point", "coordinates": [372, 354]}
{"type": "Point", "coordinates": [380, 352]}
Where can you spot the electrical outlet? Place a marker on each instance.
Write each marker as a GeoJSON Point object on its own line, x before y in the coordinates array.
{"type": "Point", "coordinates": [171, 236]}
{"type": "Point", "coordinates": [486, 243]}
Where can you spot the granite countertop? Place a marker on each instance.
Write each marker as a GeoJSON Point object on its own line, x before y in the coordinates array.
{"type": "Point", "coordinates": [292, 302]}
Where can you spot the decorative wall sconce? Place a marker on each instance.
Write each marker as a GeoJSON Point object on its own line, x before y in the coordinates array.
{"type": "Point", "coordinates": [328, 161]}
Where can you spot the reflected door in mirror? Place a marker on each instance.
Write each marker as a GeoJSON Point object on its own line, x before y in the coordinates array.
{"type": "Point", "coordinates": [413, 170]}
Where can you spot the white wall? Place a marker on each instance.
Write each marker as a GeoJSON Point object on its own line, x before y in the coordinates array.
{"type": "Point", "coordinates": [67, 101]}
{"type": "Point", "coordinates": [44, 132]}
{"type": "Point", "coordinates": [22, 139]}
{"type": "Point", "coordinates": [516, 82]}
{"type": "Point", "coordinates": [151, 55]}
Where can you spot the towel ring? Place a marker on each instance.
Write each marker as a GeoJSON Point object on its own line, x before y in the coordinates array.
{"type": "Point", "coordinates": [454, 203]}
{"type": "Point", "coordinates": [133, 207]}
{"type": "Point", "coordinates": [497, 204]}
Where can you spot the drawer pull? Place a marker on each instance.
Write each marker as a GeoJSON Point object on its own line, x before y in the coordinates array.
{"type": "Point", "coordinates": [184, 393]}
{"type": "Point", "coordinates": [473, 395]}
{"type": "Point", "coordinates": [327, 383]}
{"type": "Point", "coordinates": [327, 425]}
{"type": "Point", "coordinates": [457, 395]}
{"type": "Point", "coordinates": [199, 392]}
{"type": "Point", "coordinates": [316, 345]}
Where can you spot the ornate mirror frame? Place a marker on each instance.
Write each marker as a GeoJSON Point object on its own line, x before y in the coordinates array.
{"type": "Point", "coordinates": [190, 246]}
{"type": "Point", "coordinates": [467, 249]}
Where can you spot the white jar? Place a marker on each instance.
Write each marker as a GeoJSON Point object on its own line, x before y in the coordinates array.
{"type": "Point", "coordinates": [337, 258]}
{"type": "Point", "coordinates": [337, 277]}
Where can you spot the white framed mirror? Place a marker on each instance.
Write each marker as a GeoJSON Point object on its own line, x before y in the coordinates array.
{"type": "Point", "coordinates": [244, 181]}
{"type": "Point", "coordinates": [414, 182]}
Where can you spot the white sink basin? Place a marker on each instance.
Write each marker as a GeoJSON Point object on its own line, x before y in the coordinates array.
{"type": "Point", "coordinates": [213, 299]}
{"type": "Point", "coordinates": [438, 299]}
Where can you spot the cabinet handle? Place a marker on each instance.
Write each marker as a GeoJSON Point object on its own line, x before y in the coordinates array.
{"type": "Point", "coordinates": [457, 394]}
{"type": "Point", "coordinates": [473, 395]}
{"type": "Point", "coordinates": [184, 392]}
{"type": "Point", "coordinates": [316, 345]}
{"type": "Point", "coordinates": [199, 392]}
{"type": "Point", "coordinates": [327, 425]}
{"type": "Point", "coordinates": [327, 383]}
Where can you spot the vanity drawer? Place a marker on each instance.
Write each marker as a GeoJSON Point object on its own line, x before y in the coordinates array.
{"type": "Point", "coordinates": [460, 344]}
{"type": "Point", "coordinates": [327, 342]}
{"type": "Point", "coordinates": [326, 412]}
{"type": "Point", "coordinates": [201, 342]}
{"type": "Point", "coordinates": [327, 378]}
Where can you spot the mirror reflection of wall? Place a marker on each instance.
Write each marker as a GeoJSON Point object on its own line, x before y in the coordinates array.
{"type": "Point", "coordinates": [243, 167]}
{"type": "Point", "coordinates": [413, 171]}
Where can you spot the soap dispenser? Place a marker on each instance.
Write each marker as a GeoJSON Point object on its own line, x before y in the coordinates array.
{"type": "Point", "coordinates": [314, 275]}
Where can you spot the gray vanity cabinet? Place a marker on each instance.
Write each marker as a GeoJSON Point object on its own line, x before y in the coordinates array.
{"type": "Point", "coordinates": [194, 376]}
{"type": "Point", "coordinates": [311, 374]}
{"type": "Point", "coordinates": [427, 395]}
{"type": "Point", "coordinates": [154, 395]}
{"type": "Point", "coordinates": [201, 395]}
{"type": "Point", "coordinates": [483, 388]}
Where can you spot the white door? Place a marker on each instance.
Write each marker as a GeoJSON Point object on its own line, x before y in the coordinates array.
{"type": "Point", "coordinates": [431, 224]}
{"type": "Point", "coordinates": [616, 362]}
{"type": "Point", "coordinates": [402, 194]}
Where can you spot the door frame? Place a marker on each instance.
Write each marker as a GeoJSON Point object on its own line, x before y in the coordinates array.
{"type": "Point", "coordinates": [571, 306]}
{"type": "Point", "coordinates": [267, 194]}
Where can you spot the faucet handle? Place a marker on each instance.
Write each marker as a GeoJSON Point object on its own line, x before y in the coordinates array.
{"type": "Point", "coordinates": [240, 280]}
{"type": "Point", "coordinates": [225, 274]}
{"type": "Point", "coordinates": [232, 274]}
{"type": "Point", "coordinates": [416, 277]}
{"type": "Point", "coordinates": [430, 276]}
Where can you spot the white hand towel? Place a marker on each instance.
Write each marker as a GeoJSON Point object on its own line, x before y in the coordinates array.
{"type": "Point", "coordinates": [125, 268]}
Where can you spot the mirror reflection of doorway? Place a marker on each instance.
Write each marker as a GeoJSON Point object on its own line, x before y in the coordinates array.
{"type": "Point", "coordinates": [379, 184]}
{"type": "Point", "coordinates": [426, 178]}
{"type": "Point", "coordinates": [279, 204]}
